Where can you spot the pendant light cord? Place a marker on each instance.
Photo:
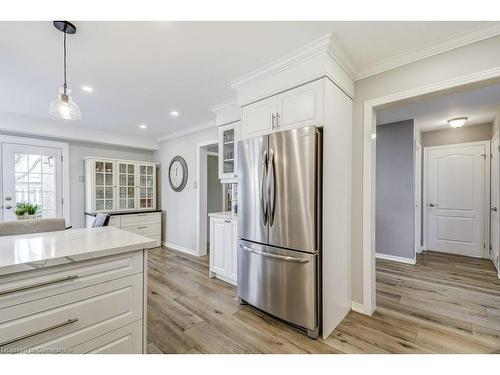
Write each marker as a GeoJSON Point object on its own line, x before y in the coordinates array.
{"type": "Point", "coordinates": [64, 48]}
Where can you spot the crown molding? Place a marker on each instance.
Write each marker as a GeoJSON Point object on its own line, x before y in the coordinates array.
{"type": "Point", "coordinates": [325, 44]}
{"type": "Point", "coordinates": [187, 131]}
{"type": "Point", "coordinates": [224, 105]}
{"type": "Point", "coordinates": [447, 44]}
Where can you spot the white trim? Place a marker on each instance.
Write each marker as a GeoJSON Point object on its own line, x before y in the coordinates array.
{"type": "Point", "coordinates": [191, 130]}
{"type": "Point", "coordinates": [201, 221]}
{"type": "Point", "coordinates": [395, 258]}
{"type": "Point", "coordinates": [357, 307]}
{"type": "Point", "coordinates": [487, 150]}
{"type": "Point", "coordinates": [369, 123]}
{"type": "Point", "coordinates": [224, 105]}
{"type": "Point", "coordinates": [64, 146]}
{"type": "Point", "coordinates": [179, 248]}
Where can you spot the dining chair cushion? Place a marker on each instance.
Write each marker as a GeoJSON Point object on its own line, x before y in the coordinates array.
{"type": "Point", "coordinates": [10, 228]}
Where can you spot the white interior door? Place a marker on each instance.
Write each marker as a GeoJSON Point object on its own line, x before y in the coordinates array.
{"type": "Point", "coordinates": [31, 174]}
{"type": "Point", "coordinates": [456, 199]}
{"type": "Point", "coordinates": [495, 192]}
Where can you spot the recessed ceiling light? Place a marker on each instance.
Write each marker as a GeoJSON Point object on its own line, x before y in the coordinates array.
{"type": "Point", "coordinates": [174, 113]}
{"type": "Point", "coordinates": [87, 88]}
{"type": "Point", "coordinates": [457, 122]}
{"type": "Point", "coordinates": [143, 126]}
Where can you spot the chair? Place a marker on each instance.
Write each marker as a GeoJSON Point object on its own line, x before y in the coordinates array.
{"type": "Point", "coordinates": [101, 220]}
{"type": "Point", "coordinates": [10, 228]}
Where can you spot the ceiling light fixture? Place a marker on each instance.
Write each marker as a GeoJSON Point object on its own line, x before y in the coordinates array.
{"type": "Point", "coordinates": [87, 89]}
{"type": "Point", "coordinates": [457, 122]}
{"type": "Point", "coordinates": [174, 113]}
{"type": "Point", "coordinates": [63, 107]}
{"type": "Point", "coordinates": [143, 126]}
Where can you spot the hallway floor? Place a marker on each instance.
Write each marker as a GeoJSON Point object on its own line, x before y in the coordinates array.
{"type": "Point", "coordinates": [443, 304]}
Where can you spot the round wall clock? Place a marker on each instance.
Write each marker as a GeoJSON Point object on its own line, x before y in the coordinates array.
{"type": "Point", "coordinates": [178, 173]}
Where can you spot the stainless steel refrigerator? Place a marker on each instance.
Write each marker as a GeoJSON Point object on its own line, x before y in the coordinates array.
{"type": "Point", "coordinates": [279, 225]}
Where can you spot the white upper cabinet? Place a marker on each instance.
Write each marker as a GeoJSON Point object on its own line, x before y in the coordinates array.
{"type": "Point", "coordinates": [119, 185]}
{"type": "Point", "coordinates": [229, 135]}
{"type": "Point", "coordinates": [298, 107]}
{"type": "Point", "coordinates": [259, 118]}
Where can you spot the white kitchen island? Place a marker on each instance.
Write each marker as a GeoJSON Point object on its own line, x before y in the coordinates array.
{"type": "Point", "coordinates": [73, 291]}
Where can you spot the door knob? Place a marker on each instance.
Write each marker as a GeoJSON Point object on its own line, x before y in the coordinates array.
{"type": "Point", "coordinates": [8, 198]}
{"type": "Point", "coordinates": [493, 209]}
{"type": "Point", "coordinates": [432, 205]}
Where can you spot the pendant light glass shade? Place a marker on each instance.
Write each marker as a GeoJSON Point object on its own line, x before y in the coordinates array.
{"type": "Point", "coordinates": [63, 107]}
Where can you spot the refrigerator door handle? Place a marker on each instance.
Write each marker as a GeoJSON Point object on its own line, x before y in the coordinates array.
{"type": "Point", "coordinates": [275, 256]}
{"type": "Point", "coordinates": [263, 183]}
{"type": "Point", "coordinates": [271, 188]}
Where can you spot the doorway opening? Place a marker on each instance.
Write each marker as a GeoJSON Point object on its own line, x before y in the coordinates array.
{"type": "Point", "coordinates": [435, 202]}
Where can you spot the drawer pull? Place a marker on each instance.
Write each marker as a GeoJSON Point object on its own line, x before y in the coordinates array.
{"type": "Point", "coordinates": [144, 227]}
{"type": "Point", "coordinates": [38, 285]}
{"type": "Point", "coordinates": [275, 256]}
{"type": "Point", "coordinates": [141, 214]}
{"type": "Point", "coordinates": [44, 330]}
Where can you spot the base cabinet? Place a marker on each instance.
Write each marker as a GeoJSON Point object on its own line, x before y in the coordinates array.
{"type": "Point", "coordinates": [223, 250]}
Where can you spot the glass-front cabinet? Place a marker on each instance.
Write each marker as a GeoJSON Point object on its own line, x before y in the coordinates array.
{"type": "Point", "coordinates": [119, 185]}
{"type": "Point", "coordinates": [229, 135]}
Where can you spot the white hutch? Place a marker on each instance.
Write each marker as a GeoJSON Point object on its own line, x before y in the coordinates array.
{"type": "Point", "coordinates": [126, 190]}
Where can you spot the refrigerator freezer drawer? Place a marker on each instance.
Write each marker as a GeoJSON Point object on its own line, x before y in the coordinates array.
{"type": "Point", "coordinates": [280, 282]}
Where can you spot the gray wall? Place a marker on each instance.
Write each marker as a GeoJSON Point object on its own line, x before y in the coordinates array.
{"type": "Point", "coordinates": [77, 151]}
{"type": "Point", "coordinates": [460, 135]}
{"type": "Point", "coordinates": [395, 190]}
{"type": "Point", "coordinates": [214, 188]}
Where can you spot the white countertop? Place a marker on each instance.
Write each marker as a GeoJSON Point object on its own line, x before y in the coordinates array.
{"type": "Point", "coordinates": [27, 252]}
{"type": "Point", "coordinates": [227, 215]}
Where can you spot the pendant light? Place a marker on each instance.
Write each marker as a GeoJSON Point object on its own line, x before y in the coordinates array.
{"type": "Point", "coordinates": [63, 106]}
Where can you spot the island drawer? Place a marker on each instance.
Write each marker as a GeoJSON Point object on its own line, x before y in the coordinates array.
{"type": "Point", "coordinates": [37, 284]}
{"type": "Point", "coordinates": [65, 320]}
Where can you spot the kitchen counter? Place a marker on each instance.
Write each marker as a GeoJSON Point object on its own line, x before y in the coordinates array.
{"type": "Point", "coordinates": [227, 215]}
{"type": "Point", "coordinates": [28, 252]}
{"type": "Point", "coordinates": [128, 212]}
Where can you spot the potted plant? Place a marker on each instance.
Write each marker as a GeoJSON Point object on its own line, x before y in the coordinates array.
{"type": "Point", "coordinates": [26, 210]}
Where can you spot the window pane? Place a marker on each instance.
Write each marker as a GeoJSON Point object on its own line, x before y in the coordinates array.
{"type": "Point", "coordinates": [48, 204]}
{"type": "Point", "coordinates": [150, 192]}
{"type": "Point", "coordinates": [143, 180]}
{"type": "Point", "coordinates": [21, 180]}
{"type": "Point", "coordinates": [21, 162]}
{"type": "Point", "coordinates": [35, 196]}
{"type": "Point", "coordinates": [35, 163]}
{"type": "Point", "coordinates": [108, 192]}
{"type": "Point", "coordinates": [150, 169]}
{"type": "Point", "coordinates": [131, 192]}
{"type": "Point", "coordinates": [123, 168]}
{"type": "Point", "coordinates": [143, 192]}
{"type": "Point", "coordinates": [99, 192]}
{"type": "Point", "coordinates": [149, 180]}
{"type": "Point", "coordinates": [143, 169]}
{"type": "Point", "coordinates": [130, 180]}
{"type": "Point", "coordinates": [131, 203]}
{"type": "Point", "coordinates": [109, 205]}
{"type": "Point", "coordinates": [48, 164]}
{"type": "Point", "coordinates": [35, 178]}
{"type": "Point", "coordinates": [143, 203]}
{"type": "Point", "coordinates": [99, 205]}
{"type": "Point", "coordinates": [131, 168]}
{"type": "Point", "coordinates": [48, 182]}
{"type": "Point", "coordinates": [123, 192]}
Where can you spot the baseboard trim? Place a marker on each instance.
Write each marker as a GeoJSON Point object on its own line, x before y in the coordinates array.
{"type": "Point", "coordinates": [180, 248]}
{"type": "Point", "coordinates": [395, 258]}
{"type": "Point", "coordinates": [357, 307]}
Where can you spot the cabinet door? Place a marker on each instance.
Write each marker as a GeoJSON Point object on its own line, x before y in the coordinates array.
{"type": "Point", "coordinates": [301, 106]}
{"type": "Point", "coordinates": [127, 182]}
{"type": "Point", "coordinates": [229, 135]}
{"type": "Point", "coordinates": [217, 246]}
{"type": "Point", "coordinates": [146, 186]}
{"type": "Point", "coordinates": [104, 185]}
{"type": "Point", "coordinates": [232, 251]}
{"type": "Point", "coordinates": [257, 118]}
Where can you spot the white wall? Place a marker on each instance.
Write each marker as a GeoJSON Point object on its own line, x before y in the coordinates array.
{"type": "Point", "coordinates": [450, 136]}
{"type": "Point", "coordinates": [466, 60]}
{"type": "Point", "coordinates": [77, 151]}
{"type": "Point", "coordinates": [179, 221]}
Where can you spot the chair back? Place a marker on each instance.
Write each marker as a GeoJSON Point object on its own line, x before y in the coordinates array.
{"type": "Point", "coordinates": [10, 228]}
{"type": "Point", "coordinates": [101, 220]}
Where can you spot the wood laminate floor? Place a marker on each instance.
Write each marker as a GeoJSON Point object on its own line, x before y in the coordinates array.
{"type": "Point", "coordinates": [443, 304]}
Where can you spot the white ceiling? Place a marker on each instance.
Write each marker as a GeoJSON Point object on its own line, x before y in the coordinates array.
{"type": "Point", "coordinates": [140, 71]}
{"type": "Point", "coordinates": [431, 113]}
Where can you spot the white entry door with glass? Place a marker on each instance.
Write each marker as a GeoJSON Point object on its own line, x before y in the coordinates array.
{"type": "Point", "coordinates": [31, 174]}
